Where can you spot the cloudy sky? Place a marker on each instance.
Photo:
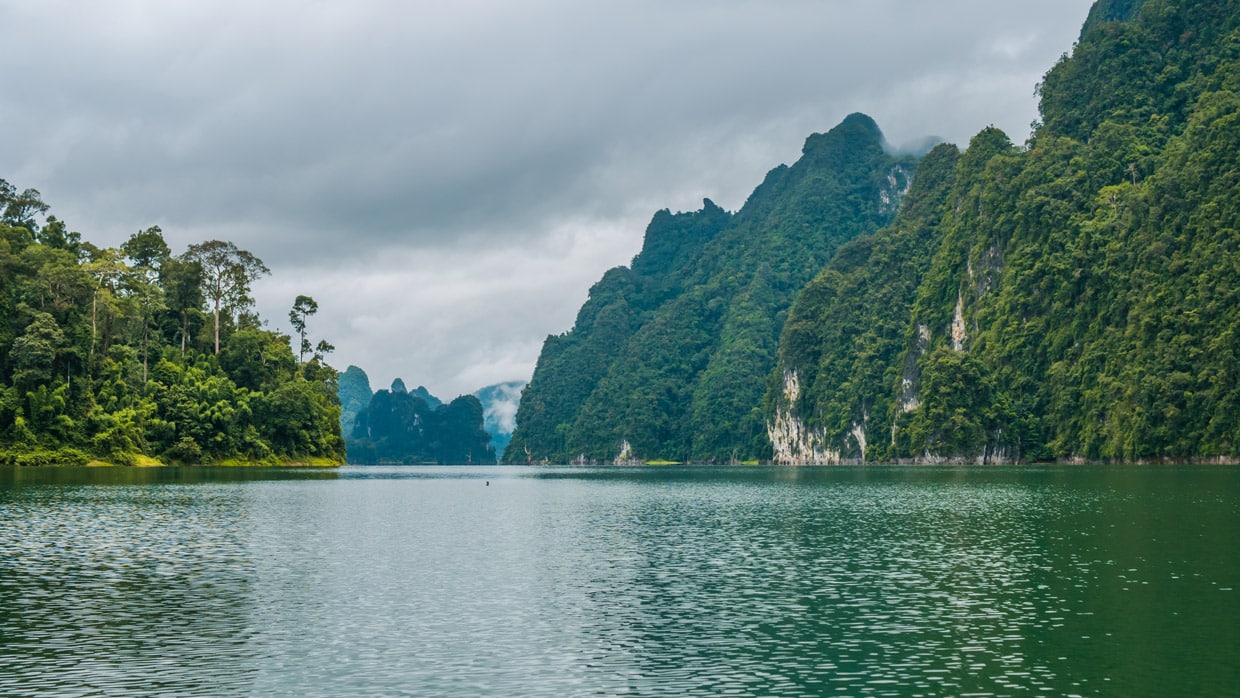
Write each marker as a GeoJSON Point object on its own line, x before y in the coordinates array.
{"type": "Point", "coordinates": [448, 179]}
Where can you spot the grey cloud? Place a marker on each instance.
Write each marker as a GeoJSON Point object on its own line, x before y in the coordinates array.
{"type": "Point", "coordinates": [336, 136]}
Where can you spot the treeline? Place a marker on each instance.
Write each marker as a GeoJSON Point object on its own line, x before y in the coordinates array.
{"type": "Point", "coordinates": [399, 427]}
{"type": "Point", "coordinates": [1072, 299]}
{"type": "Point", "coordinates": [134, 355]}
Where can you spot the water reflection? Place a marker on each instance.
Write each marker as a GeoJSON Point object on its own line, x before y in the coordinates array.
{"type": "Point", "coordinates": [188, 475]}
{"type": "Point", "coordinates": [571, 581]}
{"type": "Point", "coordinates": [124, 591]}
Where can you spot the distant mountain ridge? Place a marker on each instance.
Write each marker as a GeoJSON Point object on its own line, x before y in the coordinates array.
{"type": "Point", "coordinates": [400, 426]}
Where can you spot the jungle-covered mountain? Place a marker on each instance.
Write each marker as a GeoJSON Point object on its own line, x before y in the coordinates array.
{"type": "Point", "coordinates": [1071, 299]}
{"type": "Point", "coordinates": [671, 354]}
{"type": "Point", "coordinates": [133, 355]}
{"type": "Point", "coordinates": [400, 427]}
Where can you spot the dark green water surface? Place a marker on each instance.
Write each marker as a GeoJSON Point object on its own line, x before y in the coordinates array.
{"type": "Point", "coordinates": [603, 581]}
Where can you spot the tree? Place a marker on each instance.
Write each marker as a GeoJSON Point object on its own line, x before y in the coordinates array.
{"type": "Point", "coordinates": [34, 353]}
{"type": "Point", "coordinates": [148, 251]}
{"type": "Point", "coordinates": [257, 359]}
{"type": "Point", "coordinates": [19, 209]}
{"type": "Point", "coordinates": [227, 272]}
{"type": "Point", "coordinates": [106, 268]}
{"type": "Point", "coordinates": [322, 349]}
{"type": "Point", "coordinates": [88, 361]}
{"type": "Point", "coordinates": [57, 236]}
{"type": "Point", "coordinates": [303, 308]}
{"type": "Point", "coordinates": [182, 284]}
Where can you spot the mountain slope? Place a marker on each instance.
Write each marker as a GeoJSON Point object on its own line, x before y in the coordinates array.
{"type": "Point", "coordinates": [671, 355]}
{"type": "Point", "coordinates": [1080, 301]}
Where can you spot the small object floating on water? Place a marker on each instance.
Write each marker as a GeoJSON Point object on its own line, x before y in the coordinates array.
{"type": "Point", "coordinates": [488, 483]}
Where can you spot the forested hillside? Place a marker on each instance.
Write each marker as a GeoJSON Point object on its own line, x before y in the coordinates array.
{"type": "Point", "coordinates": [402, 427]}
{"type": "Point", "coordinates": [133, 355]}
{"type": "Point", "coordinates": [1072, 299]}
{"type": "Point", "coordinates": [671, 355]}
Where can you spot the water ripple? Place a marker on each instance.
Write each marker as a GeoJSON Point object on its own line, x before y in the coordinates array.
{"type": "Point", "coordinates": [554, 582]}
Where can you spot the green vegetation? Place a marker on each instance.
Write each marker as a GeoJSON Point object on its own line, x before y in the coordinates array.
{"type": "Point", "coordinates": [408, 428]}
{"type": "Point", "coordinates": [1070, 300]}
{"type": "Point", "coordinates": [671, 354]}
{"type": "Point", "coordinates": [110, 355]}
{"type": "Point", "coordinates": [845, 333]}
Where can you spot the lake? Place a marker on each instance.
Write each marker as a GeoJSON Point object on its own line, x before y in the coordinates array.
{"type": "Point", "coordinates": [558, 581]}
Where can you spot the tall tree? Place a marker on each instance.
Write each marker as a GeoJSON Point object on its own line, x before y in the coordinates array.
{"type": "Point", "coordinates": [303, 308]}
{"type": "Point", "coordinates": [56, 235]}
{"type": "Point", "coordinates": [148, 252]}
{"type": "Point", "coordinates": [19, 209]}
{"type": "Point", "coordinates": [147, 249]}
{"type": "Point", "coordinates": [227, 272]}
{"type": "Point", "coordinates": [182, 284]}
{"type": "Point", "coordinates": [106, 268]}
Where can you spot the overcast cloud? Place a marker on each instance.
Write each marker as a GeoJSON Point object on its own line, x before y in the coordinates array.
{"type": "Point", "coordinates": [448, 180]}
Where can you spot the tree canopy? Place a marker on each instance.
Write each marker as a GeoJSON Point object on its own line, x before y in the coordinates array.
{"type": "Point", "coordinates": [104, 355]}
{"type": "Point", "coordinates": [227, 273]}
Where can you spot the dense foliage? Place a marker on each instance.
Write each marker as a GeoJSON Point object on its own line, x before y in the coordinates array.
{"type": "Point", "coordinates": [407, 428]}
{"type": "Point", "coordinates": [670, 355]}
{"type": "Point", "coordinates": [845, 333]}
{"type": "Point", "coordinates": [133, 355]}
{"type": "Point", "coordinates": [1070, 300]}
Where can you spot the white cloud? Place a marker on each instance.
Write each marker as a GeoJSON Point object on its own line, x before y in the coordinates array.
{"type": "Point", "coordinates": [455, 318]}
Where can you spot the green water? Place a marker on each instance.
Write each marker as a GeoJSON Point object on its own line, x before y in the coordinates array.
{"type": "Point", "coordinates": [605, 581]}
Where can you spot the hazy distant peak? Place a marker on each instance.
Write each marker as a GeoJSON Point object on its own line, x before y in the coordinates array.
{"type": "Point", "coordinates": [430, 400]}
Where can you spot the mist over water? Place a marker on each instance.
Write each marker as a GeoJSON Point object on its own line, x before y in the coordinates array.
{"type": "Point", "coordinates": [573, 581]}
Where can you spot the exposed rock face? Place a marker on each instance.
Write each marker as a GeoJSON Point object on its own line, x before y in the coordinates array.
{"type": "Point", "coordinates": [899, 179]}
{"type": "Point", "coordinates": [959, 335]}
{"type": "Point", "coordinates": [792, 441]}
{"type": "Point", "coordinates": [908, 379]}
{"type": "Point", "coordinates": [795, 443]}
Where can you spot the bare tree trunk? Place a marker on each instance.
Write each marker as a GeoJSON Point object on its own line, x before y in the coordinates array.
{"type": "Point", "coordinates": [94, 303]}
{"type": "Point", "coordinates": [217, 327]}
